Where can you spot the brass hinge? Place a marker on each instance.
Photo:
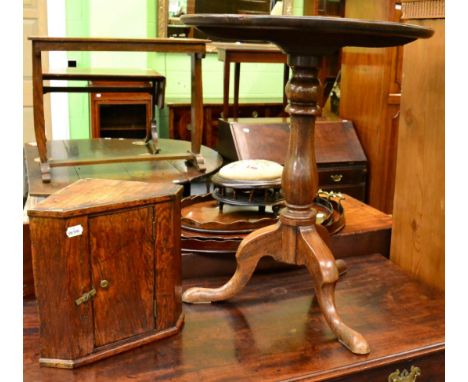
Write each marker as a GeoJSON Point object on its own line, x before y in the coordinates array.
{"type": "Point", "coordinates": [86, 297]}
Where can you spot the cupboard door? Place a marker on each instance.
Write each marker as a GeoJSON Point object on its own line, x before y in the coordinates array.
{"type": "Point", "coordinates": [122, 262]}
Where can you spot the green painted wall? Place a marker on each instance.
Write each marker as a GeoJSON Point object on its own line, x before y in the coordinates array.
{"type": "Point", "coordinates": [138, 18]}
{"type": "Point", "coordinates": [77, 25]}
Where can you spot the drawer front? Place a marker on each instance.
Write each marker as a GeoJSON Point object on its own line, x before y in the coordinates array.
{"type": "Point", "coordinates": [357, 191]}
{"type": "Point", "coordinates": [432, 369]}
{"type": "Point", "coordinates": [332, 176]}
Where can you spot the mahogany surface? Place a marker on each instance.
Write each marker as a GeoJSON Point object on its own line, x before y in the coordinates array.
{"type": "Point", "coordinates": [275, 332]}
{"type": "Point", "coordinates": [127, 253]}
{"type": "Point", "coordinates": [164, 171]}
{"type": "Point", "coordinates": [325, 35]}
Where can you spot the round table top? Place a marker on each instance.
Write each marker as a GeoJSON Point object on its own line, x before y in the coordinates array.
{"type": "Point", "coordinates": [306, 35]}
{"type": "Point", "coordinates": [152, 171]}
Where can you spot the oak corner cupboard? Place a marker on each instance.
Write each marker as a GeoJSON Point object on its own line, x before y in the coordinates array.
{"type": "Point", "coordinates": [107, 268]}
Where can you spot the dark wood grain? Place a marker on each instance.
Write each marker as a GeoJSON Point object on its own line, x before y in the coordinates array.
{"type": "Point", "coordinates": [160, 172]}
{"type": "Point", "coordinates": [274, 332]}
{"type": "Point", "coordinates": [114, 257]}
{"type": "Point", "coordinates": [325, 35]}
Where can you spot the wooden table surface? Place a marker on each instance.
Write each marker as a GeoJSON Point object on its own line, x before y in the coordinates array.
{"type": "Point", "coordinates": [175, 171]}
{"type": "Point", "coordinates": [272, 331]}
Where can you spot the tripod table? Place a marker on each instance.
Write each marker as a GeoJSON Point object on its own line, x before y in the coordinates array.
{"type": "Point", "coordinates": [295, 239]}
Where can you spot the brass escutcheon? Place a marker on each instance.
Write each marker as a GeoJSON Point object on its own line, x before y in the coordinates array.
{"type": "Point", "coordinates": [336, 177]}
{"type": "Point", "coordinates": [405, 376]}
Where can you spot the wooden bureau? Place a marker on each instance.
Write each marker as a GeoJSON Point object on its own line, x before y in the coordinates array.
{"type": "Point", "coordinates": [341, 161]}
{"type": "Point", "coordinates": [107, 268]}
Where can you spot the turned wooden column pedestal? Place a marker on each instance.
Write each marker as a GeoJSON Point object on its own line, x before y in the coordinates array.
{"type": "Point", "coordinates": [295, 239]}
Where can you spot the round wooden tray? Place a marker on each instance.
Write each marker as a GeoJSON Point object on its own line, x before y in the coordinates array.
{"type": "Point", "coordinates": [200, 213]}
{"type": "Point", "coordinates": [206, 230]}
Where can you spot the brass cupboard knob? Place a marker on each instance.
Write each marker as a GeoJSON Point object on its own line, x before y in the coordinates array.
{"type": "Point", "coordinates": [104, 284]}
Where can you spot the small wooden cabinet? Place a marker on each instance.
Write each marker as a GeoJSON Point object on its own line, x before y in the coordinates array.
{"type": "Point", "coordinates": [107, 268]}
{"type": "Point", "coordinates": [121, 114]}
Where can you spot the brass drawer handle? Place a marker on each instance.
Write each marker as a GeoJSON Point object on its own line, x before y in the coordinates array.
{"type": "Point", "coordinates": [86, 297]}
{"type": "Point", "coordinates": [405, 376]}
{"type": "Point", "coordinates": [104, 284]}
{"type": "Point", "coordinates": [336, 177]}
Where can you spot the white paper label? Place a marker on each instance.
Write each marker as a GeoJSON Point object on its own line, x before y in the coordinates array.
{"type": "Point", "coordinates": [75, 230]}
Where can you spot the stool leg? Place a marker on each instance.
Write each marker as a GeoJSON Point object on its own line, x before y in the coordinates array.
{"type": "Point", "coordinates": [262, 242]}
{"type": "Point", "coordinates": [323, 268]}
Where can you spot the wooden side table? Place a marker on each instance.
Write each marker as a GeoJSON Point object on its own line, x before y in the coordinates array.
{"type": "Point", "coordinates": [195, 47]}
{"type": "Point", "coordinates": [242, 52]}
{"type": "Point", "coordinates": [295, 239]}
{"type": "Point", "coordinates": [141, 84]}
{"type": "Point", "coordinates": [263, 53]}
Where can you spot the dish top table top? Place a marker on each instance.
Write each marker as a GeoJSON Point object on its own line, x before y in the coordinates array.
{"type": "Point", "coordinates": [161, 171]}
{"type": "Point", "coordinates": [306, 35]}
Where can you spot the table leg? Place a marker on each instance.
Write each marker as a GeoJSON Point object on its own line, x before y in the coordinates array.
{"type": "Point", "coordinates": [324, 270]}
{"type": "Point", "coordinates": [237, 67]}
{"type": "Point", "coordinates": [262, 242]}
{"type": "Point", "coordinates": [197, 110]}
{"type": "Point", "coordinates": [285, 81]}
{"type": "Point", "coordinates": [39, 121]}
{"type": "Point", "coordinates": [227, 67]}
